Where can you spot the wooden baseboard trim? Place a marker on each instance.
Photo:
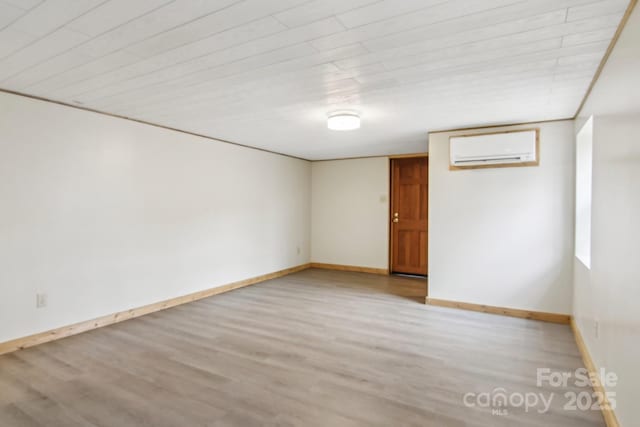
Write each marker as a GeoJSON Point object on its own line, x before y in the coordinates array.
{"type": "Point", "coordinates": [77, 328]}
{"type": "Point", "coordinates": [607, 412]}
{"type": "Point", "coordinates": [354, 268]}
{"type": "Point", "coordinates": [504, 311]}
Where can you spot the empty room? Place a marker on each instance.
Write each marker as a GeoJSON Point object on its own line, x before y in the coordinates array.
{"type": "Point", "coordinates": [319, 213]}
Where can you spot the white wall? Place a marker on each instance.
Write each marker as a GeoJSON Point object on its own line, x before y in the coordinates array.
{"type": "Point", "coordinates": [105, 214]}
{"type": "Point", "coordinates": [609, 292]}
{"type": "Point", "coordinates": [504, 236]}
{"type": "Point", "coordinates": [350, 212]}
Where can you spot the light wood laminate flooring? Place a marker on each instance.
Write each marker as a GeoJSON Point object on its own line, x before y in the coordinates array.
{"type": "Point", "coordinates": [315, 348]}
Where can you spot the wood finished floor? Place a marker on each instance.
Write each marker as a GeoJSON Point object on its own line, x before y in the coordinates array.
{"type": "Point", "coordinates": [316, 348]}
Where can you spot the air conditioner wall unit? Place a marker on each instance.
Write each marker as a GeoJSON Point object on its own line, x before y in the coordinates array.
{"type": "Point", "coordinates": [511, 148]}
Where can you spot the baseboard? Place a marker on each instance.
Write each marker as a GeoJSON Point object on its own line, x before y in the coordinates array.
{"type": "Point", "coordinates": [504, 311]}
{"type": "Point", "coordinates": [607, 412]}
{"type": "Point", "coordinates": [77, 328]}
{"type": "Point", "coordinates": [354, 268]}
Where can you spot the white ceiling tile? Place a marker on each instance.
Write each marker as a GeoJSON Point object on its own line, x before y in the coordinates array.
{"type": "Point", "coordinates": [528, 14]}
{"type": "Point", "coordinates": [238, 69]}
{"type": "Point", "coordinates": [597, 8]}
{"type": "Point", "coordinates": [455, 39]}
{"type": "Point", "coordinates": [98, 74]}
{"type": "Point", "coordinates": [165, 18]}
{"type": "Point", "coordinates": [50, 15]}
{"type": "Point", "coordinates": [306, 70]}
{"type": "Point", "coordinates": [589, 36]}
{"type": "Point", "coordinates": [318, 9]}
{"type": "Point", "coordinates": [284, 60]}
{"type": "Point", "coordinates": [201, 65]}
{"type": "Point", "coordinates": [38, 72]}
{"type": "Point", "coordinates": [384, 10]}
{"type": "Point", "coordinates": [290, 94]}
{"type": "Point", "coordinates": [12, 40]}
{"type": "Point", "coordinates": [234, 86]}
{"type": "Point", "coordinates": [244, 92]}
{"type": "Point", "coordinates": [441, 12]}
{"type": "Point", "coordinates": [112, 14]}
{"type": "Point", "coordinates": [222, 40]}
{"type": "Point", "coordinates": [23, 4]}
{"type": "Point", "coordinates": [594, 55]}
{"type": "Point", "coordinates": [9, 13]}
{"type": "Point", "coordinates": [57, 42]}
{"type": "Point", "coordinates": [232, 15]}
{"type": "Point", "coordinates": [80, 69]}
{"type": "Point", "coordinates": [188, 72]}
{"type": "Point", "coordinates": [546, 33]}
{"type": "Point", "coordinates": [245, 76]}
{"type": "Point", "coordinates": [537, 51]}
{"type": "Point", "coordinates": [446, 63]}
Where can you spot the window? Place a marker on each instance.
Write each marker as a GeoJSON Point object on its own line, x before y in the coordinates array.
{"type": "Point", "coordinates": [584, 155]}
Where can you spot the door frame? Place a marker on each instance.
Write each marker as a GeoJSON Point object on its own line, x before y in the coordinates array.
{"type": "Point", "coordinates": [390, 215]}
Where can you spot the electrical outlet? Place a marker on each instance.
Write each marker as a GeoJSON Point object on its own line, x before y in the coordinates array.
{"type": "Point", "coordinates": [41, 300]}
{"type": "Point", "coordinates": [298, 249]}
{"type": "Point", "coordinates": [596, 327]}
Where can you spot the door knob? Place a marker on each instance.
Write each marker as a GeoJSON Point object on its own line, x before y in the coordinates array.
{"type": "Point", "coordinates": [395, 219]}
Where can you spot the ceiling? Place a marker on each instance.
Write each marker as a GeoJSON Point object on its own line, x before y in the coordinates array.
{"type": "Point", "coordinates": [613, 95]}
{"type": "Point", "coordinates": [266, 73]}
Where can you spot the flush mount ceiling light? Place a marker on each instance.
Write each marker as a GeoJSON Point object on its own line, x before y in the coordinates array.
{"type": "Point", "coordinates": [343, 120]}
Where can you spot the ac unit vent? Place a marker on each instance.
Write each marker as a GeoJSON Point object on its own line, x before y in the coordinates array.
{"type": "Point", "coordinates": [486, 150]}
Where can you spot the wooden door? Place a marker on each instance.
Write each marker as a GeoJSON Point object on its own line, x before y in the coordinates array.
{"type": "Point", "coordinates": [409, 209]}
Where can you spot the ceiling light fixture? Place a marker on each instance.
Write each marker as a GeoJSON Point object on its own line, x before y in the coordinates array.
{"type": "Point", "coordinates": [343, 120]}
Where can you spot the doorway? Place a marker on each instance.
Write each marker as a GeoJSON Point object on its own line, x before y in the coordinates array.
{"type": "Point", "coordinates": [408, 250]}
